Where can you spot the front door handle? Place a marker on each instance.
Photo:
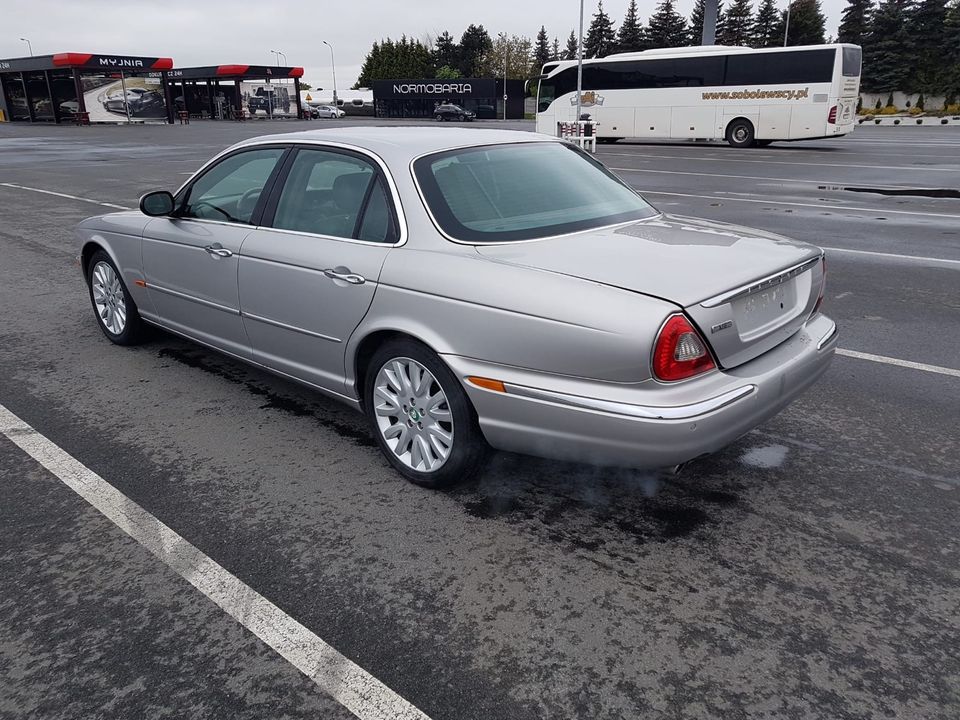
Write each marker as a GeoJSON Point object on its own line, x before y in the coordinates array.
{"type": "Point", "coordinates": [218, 250]}
{"type": "Point", "coordinates": [342, 273]}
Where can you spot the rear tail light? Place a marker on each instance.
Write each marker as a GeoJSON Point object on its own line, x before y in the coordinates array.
{"type": "Point", "coordinates": [680, 352]}
{"type": "Point", "coordinates": [823, 285]}
{"type": "Point", "coordinates": [832, 117]}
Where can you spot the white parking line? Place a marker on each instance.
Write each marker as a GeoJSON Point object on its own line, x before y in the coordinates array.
{"type": "Point", "coordinates": [345, 681]}
{"type": "Point", "coordinates": [64, 195]}
{"type": "Point", "coordinates": [779, 162]}
{"type": "Point", "coordinates": [895, 256]}
{"type": "Point", "coordinates": [726, 198]}
{"type": "Point", "coordinates": [899, 363]}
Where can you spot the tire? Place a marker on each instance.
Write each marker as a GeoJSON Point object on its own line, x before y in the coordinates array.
{"type": "Point", "coordinates": [466, 449]}
{"type": "Point", "coordinates": [100, 274]}
{"type": "Point", "coordinates": [740, 133]}
{"type": "Point", "coordinates": [461, 118]}
{"type": "Point", "coordinates": [438, 118]}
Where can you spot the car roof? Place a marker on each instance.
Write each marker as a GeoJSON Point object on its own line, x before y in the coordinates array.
{"type": "Point", "coordinates": [402, 144]}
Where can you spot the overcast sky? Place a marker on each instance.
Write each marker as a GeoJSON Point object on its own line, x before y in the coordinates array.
{"type": "Point", "coordinates": [214, 32]}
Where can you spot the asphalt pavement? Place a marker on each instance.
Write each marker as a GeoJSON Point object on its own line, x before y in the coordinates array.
{"type": "Point", "coordinates": [811, 570]}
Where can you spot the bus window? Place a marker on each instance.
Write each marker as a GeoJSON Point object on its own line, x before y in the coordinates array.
{"type": "Point", "coordinates": [776, 68]}
{"type": "Point", "coordinates": [851, 62]}
{"type": "Point", "coordinates": [545, 95]}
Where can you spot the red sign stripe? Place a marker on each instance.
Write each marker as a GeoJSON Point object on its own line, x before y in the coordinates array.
{"type": "Point", "coordinates": [61, 59]}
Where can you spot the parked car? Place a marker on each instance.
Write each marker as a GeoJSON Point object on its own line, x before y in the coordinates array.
{"type": "Point", "coordinates": [140, 101]}
{"type": "Point", "coordinates": [449, 111]}
{"type": "Point", "coordinates": [326, 111]}
{"type": "Point", "coordinates": [69, 107]}
{"type": "Point", "coordinates": [270, 100]}
{"type": "Point", "coordinates": [471, 288]}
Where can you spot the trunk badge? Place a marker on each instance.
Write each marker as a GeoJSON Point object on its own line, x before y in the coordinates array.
{"type": "Point", "coordinates": [721, 326]}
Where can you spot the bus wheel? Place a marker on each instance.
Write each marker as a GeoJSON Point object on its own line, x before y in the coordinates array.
{"type": "Point", "coordinates": [740, 133]}
{"type": "Point", "coordinates": [608, 140]}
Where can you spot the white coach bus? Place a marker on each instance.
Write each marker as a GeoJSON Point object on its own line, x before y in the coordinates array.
{"type": "Point", "coordinates": [744, 96]}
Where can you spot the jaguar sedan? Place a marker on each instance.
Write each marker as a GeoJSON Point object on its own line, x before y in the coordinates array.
{"type": "Point", "coordinates": [468, 289]}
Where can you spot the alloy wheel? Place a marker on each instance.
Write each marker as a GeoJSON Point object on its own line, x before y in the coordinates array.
{"type": "Point", "coordinates": [108, 298]}
{"type": "Point", "coordinates": [413, 414]}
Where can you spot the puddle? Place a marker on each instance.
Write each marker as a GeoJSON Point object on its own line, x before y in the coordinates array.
{"type": "Point", "coordinates": [912, 192]}
{"type": "Point", "coordinates": [768, 456]}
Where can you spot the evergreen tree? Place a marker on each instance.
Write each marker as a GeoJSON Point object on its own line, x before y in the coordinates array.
{"type": "Point", "coordinates": [889, 48]}
{"type": "Point", "coordinates": [570, 52]}
{"type": "Point", "coordinates": [445, 51]}
{"type": "Point", "coordinates": [767, 26]}
{"type": "Point", "coordinates": [475, 43]}
{"type": "Point", "coordinates": [931, 61]}
{"type": "Point", "coordinates": [855, 22]}
{"type": "Point", "coordinates": [555, 50]}
{"type": "Point", "coordinates": [695, 26]}
{"type": "Point", "coordinates": [738, 24]}
{"type": "Point", "coordinates": [667, 27]}
{"type": "Point", "coordinates": [541, 51]}
{"type": "Point", "coordinates": [807, 23]}
{"type": "Point", "coordinates": [404, 58]}
{"type": "Point", "coordinates": [951, 80]}
{"type": "Point", "coordinates": [601, 38]}
{"type": "Point", "coordinates": [630, 35]}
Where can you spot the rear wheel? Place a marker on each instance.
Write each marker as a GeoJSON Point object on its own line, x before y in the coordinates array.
{"type": "Point", "coordinates": [740, 133]}
{"type": "Point", "coordinates": [420, 415]}
{"type": "Point", "coordinates": [116, 312]}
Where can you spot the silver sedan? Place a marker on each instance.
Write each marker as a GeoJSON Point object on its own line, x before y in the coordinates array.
{"type": "Point", "coordinates": [471, 288]}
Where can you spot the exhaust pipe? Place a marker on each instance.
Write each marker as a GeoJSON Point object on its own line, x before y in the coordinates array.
{"type": "Point", "coordinates": [673, 470]}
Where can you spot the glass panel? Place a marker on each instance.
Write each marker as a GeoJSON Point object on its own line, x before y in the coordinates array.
{"type": "Point", "coordinates": [16, 96]}
{"type": "Point", "coordinates": [851, 62]}
{"type": "Point", "coordinates": [38, 95]}
{"type": "Point", "coordinates": [523, 191]}
{"type": "Point", "coordinates": [323, 193]}
{"type": "Point", "coordinates": [64, 93]}
{"type": "Point", "coordinates": [229, 191]}
{"type": "Point", "coordinates": [377, 225]}
{"type": "Point", "coordinates": [781, 68]}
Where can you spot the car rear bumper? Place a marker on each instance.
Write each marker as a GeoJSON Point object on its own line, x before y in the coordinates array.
{"type": "Point", "coordinates": [648, 424]}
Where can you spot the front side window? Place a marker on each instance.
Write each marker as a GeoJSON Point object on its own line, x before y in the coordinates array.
{"type": "Point", "coordinates": [230, 190]}
{"type": "Point", "coordinates": [335, 194]}
{"type": "Point", "coordinates": [523, 191]}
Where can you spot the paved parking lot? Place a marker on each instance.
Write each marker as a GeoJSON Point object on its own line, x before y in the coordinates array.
{"type": "Point", "coordinates": [812, 570]}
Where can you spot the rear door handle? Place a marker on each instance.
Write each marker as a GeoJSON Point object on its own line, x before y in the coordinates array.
{"type": "Point", "coordinates": [218, 250]}
{"type": "Point", "coordinates": [342, 273]}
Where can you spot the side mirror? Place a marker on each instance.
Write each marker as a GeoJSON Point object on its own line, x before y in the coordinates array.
{"type": "Point", "coordinates": [157, 203]}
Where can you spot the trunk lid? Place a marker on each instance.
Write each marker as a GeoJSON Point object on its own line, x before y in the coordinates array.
{"type": "Point", "coordinates": [746, 290]}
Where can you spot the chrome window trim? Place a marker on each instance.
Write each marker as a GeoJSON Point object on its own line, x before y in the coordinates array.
{"type": "Point", "coordinates": [646, 412]}
{"type": "Point", "coordinates": [755, 286]}
{"type": "Point", "coordinates": [494, 243]}
{"type": "Point", "coordinates": [192, 298]}
{"type": "Point", "coordinates": [295, 143]}
{"type": "Point", "coordinates": [292, 328]}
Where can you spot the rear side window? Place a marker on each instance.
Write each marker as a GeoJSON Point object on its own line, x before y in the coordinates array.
{"type": "Point", "coordinates": [851, 62]}
{"type": "Point", "coordinates": [335, 194]}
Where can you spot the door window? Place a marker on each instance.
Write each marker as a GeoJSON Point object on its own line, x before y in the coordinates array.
{"type": "Point", "coordinates": [231, 189]}
{"type": "Point", "coordinates": [326, 193]}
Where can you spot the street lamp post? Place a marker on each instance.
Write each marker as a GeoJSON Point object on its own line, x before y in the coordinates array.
{"type": "Point", "coordinates": [277, 53]}
{"type": "Point", "coordinates": [333, 68]}
{"type": "Point", "coordinates": [29, 46]}
{"type": "Point", "coordinates": [786, 27]}
{"type": "Point", "coordinates": [506, 51]}
{"type": "Point", "coordinates": [580, 65]}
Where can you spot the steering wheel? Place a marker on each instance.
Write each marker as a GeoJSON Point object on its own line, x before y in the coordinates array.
{"type": "Point", "coordinates": [242, 208]}
{"type": "Point", "coordinates": [204, 203]}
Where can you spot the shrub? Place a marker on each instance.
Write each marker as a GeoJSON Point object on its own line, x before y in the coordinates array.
{"type": "Point", "coordinates": [869, 112]}
{"type": "Point", "coordinates": [859, 104]}
{"type": "Point", "coordinates": [952, 109]}
{"type": "Point", "coordinates": [878, 105]}
{"type": "Point", "coordinates": [916, 110]}
{"type": "Point", "coordinates": [921, 101]}
{"type": "Point", "coordinates": [889, 110]}
{"type": "Point", "coordinates": [890, 100]}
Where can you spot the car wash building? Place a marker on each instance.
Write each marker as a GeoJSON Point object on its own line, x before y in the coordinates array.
{"type": "Point", "coordinates": [222, 92]}
{"type": "Point", "coordinates": [406, 98]}
{"type": "Point", "coordinates": [107, 88]}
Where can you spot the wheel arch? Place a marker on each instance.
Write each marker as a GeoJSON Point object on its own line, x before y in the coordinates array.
{"type": "Point", "coordinates": [362, 348]}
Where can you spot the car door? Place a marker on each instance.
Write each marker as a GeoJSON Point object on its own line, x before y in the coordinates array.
{"type": "Point", "coordinates": [190, 258]}
{"type": "Point", "coordinates": [307, 280]}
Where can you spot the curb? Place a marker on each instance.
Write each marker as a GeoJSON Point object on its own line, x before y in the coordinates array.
{"type": "Point", "coordinates": [909, 121]}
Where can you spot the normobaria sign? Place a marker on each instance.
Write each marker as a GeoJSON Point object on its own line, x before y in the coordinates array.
{"type": "Point", "coordinates": [432, 88]}
{"type": "Point", "coordinates": [408, 89]}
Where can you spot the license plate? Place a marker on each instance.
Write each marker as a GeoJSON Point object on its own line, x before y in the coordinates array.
{"type": "Point", "coordinates": [761, 309]}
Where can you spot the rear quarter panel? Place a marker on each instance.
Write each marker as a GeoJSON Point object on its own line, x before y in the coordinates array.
{"type": "Point", "coordinates": [460, 303]}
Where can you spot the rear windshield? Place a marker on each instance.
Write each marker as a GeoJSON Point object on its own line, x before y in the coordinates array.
{"type": "Point", "coordinates": [523, 191]}
{"type": "Point", "coordinates": [851, 62]}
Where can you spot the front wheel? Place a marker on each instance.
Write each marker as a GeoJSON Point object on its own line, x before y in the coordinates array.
{"type": "Point", "coordinates": [740, 133]}
{"type": "Point", "coordinates": [116, 312]}
{"type": "Point", "coordinates": [421, 416]}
